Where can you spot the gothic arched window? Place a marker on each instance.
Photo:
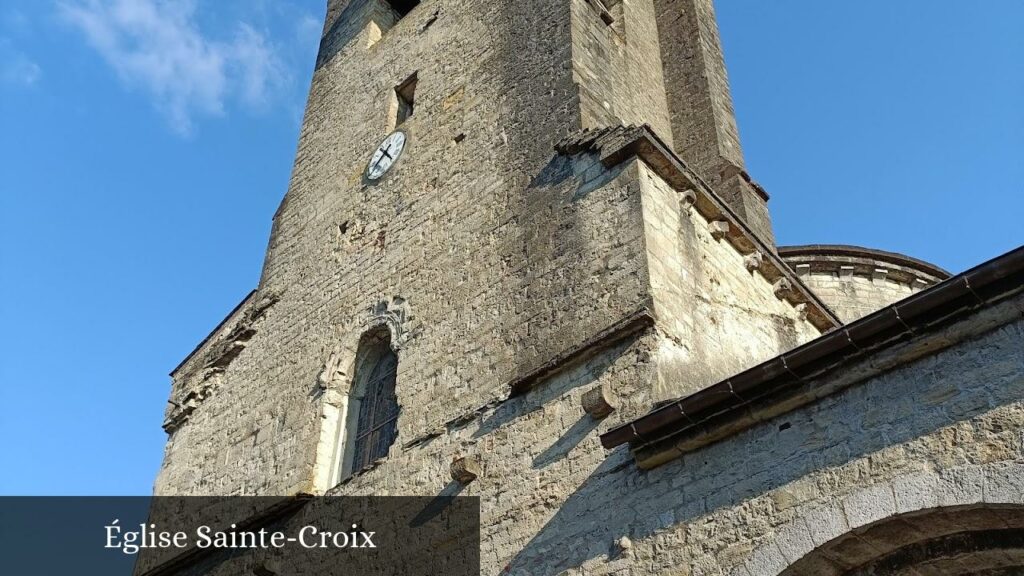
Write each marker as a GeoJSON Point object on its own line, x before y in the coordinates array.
{"type": "Point", "coordinates": [372, 419]}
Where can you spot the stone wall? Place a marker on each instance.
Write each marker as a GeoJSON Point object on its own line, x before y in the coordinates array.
{"type": "Point", "coordinates": [944, 433]}
{"type": "Point", "coordinates": [491, 258]}
{"type": "Point", "coordinates": [618, 67]}
{"type": "Point", "coordinates": [703, 122]}
{"type": "Point", "coordinates": [449, 236]}
{"type": "Point", "coordinates": [514, 279]}
{"type": "Point", "coordinates": [697, 82]}
{"type": "Point", "coordinates": [718, 311]}
{"type": "Point", "coordinates": [945, 430]}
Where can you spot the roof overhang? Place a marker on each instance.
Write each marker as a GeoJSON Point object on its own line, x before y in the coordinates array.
{"type": "Point", "coordinates": [791, 380]}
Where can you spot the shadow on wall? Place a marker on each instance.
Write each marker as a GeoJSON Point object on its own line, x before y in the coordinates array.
{"type": "Point", "coordinates": [572, 437]}
{"type": "Point", "coordinates": [438, 504]}
{"type": "Point", "coordinates": [584, 374]}
{"type": "Point", "coordinates": [617, 499]}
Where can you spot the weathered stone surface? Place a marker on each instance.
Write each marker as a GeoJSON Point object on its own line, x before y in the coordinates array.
{"type": "Point", "coordinates": [465, 469]}
{"type": "Point", "coordinates": [597, 402]}
{"type": "Point", "coordinates": [525, 287]}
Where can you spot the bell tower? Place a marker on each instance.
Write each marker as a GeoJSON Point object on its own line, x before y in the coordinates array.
{"type": "Point", "coordinates": [496, 207]}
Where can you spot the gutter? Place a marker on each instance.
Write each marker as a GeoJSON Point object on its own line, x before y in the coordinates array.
{"type": "Point", "coordinates": [732, 402]}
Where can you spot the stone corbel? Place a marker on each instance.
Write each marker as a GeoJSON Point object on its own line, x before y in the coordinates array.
{"type": "Point", "coordinates": [597, 402]}
{"type": "Point", "coordinates": [782, 288]}
{"type": "Point", "coordinates": [753, 261]}
{"type": "Point", "coordinates": [465, 469]}
{"type": "Point", "coordinates": [687, 199]}
{"type": "Point", "coordinates": [719, 229]}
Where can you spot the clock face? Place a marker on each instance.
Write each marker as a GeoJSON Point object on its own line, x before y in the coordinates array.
{"type": "Point", "coordinates": [386, 155]}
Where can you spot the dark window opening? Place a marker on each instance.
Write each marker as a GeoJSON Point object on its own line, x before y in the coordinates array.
{"type": "Point", "coordinates": [377, 424]}
{"type": "Point", "coordinates": [402, 7]}
{"type": "Point", "coordinates": [610, 11]}
{"type": "Point", "coordinates": [405, 93]}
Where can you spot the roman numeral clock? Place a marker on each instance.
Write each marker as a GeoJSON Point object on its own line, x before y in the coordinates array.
{"type": "Point", "coordinates": [386, 155]}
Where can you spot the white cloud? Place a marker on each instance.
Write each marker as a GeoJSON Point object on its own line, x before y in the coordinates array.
{"type": "Point", "coordinates": [16, 68]}
{"type": "Point", "coordinates": [157, 46]}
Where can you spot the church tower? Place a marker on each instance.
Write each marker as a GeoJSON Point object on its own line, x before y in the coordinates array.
{"type": "Point", "coordinates": [506, 220]}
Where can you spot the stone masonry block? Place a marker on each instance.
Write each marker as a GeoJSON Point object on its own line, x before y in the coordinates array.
{"type": "Point", "coordinates": [687, 199]}
{"type": "Point", "coordinates": [737, 571]}
{"type": "Point", "coordinates": [753, 260]}
{"type": "Point", "coordinates": [466, 469]}
{"type": "Point", "coordinates": [960, 486]}
{"type": "Point", "coordinates": [826, 523]}
{"type": "Point", "coordinates": [598, 402]}
{"type": "Point", "coordinates": [782, 287]}
{"type": "Point", "coordinates": [914, 492]}
{"type": "Point", "coordinates": [869, 504]}
{"type": "Point", "coordinates": [767, 560]}
{"type": "Point", "coordinates": [794, 541]}
{"type": "Point", "coordinates": [1004, 483]}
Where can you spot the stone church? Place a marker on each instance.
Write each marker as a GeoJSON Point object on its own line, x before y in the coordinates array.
{"type": "Point", "coordinates": [521, 258]}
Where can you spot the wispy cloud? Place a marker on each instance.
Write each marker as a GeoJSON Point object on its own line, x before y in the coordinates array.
{"type": "Point", "coordinates": [16, 68]}
{"type": "Point", "coordinates": [157, 46]}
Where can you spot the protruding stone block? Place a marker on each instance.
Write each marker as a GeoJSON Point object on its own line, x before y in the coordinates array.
{"type": "Point", "coordinates": [719, 229]}
{"type": "Point", "coordinates": [782, 288]}
{"type": "Point", "coordinates": [879, 274]}
{"type": "Point", "coordinates": [753, 260]}
{"type": "Point", "coordinates": [597, 402]}
{"type": "Point", "coordinates": [465, 469]}
{"type": "Point", "coordinates": [687, 199]}
{"type": "Point", "coordinates": [802, 269]}
{"type": "Point", "coordinates": [846, 272]}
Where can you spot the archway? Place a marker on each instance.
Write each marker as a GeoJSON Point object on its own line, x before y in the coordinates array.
{"type": "Point", "coordinates": [981, 539]}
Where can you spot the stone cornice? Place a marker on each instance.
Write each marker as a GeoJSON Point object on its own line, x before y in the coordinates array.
{"type": "Point", "coordinates": [866, 262]}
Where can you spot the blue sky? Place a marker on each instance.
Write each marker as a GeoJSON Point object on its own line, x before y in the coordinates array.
{"type": "Point", "coordinates": [145, 144]}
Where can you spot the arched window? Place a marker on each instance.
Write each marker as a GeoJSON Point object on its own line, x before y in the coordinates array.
{"type": "Point", "coordinates": [372, 415]}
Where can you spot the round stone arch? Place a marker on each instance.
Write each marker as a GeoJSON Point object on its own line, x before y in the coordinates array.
{"type": "Point", "coordinates": [337, 378]}
{"type": "Point", "coordinates": [962, 520]}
